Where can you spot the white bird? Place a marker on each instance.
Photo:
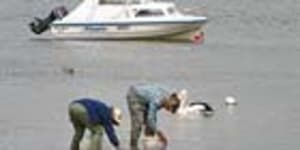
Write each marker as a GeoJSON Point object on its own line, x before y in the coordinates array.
{"type": "Point", "coordinates": [193, 108]}
{"type": "Point", "coordinates": [230, 100]}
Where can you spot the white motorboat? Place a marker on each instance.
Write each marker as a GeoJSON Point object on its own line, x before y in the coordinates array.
{"type": "Point", "coordinates": [121, 20]}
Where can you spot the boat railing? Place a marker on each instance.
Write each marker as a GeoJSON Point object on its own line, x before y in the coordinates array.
{"type": "Point", "coordinates": [101, 2]}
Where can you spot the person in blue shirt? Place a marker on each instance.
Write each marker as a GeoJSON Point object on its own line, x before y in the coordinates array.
{"type": "Point", "coordinates": [94, 115]}
{"type": "Point", "coordinates": [144, 101]}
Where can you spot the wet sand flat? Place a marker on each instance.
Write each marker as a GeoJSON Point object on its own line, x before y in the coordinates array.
{"type": "Point", "coordinates": [251, 51]}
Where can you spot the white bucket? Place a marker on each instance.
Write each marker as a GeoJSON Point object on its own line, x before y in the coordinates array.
{"type": "Point", "coordinates": [152, 143]}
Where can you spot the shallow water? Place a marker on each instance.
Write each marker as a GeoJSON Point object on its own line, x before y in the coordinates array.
{"type": "Point", "coordinates": [252, 52]}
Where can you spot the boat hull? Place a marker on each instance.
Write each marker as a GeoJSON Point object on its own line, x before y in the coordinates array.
{"type": "Point", "coordinates": [174, 31]}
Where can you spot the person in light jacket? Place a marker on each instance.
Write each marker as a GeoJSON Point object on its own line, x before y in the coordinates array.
{"type": "Point", "coordinates": [144, 101]}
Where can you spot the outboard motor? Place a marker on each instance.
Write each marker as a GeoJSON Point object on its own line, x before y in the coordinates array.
{"type": "Point", "coordinates": [39, 26]}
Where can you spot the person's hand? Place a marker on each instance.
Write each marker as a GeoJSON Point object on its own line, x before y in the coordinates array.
{"type": "Point", "coordinates": [119, 148]}
{"type": "Point", "coordinates": [162, 138]}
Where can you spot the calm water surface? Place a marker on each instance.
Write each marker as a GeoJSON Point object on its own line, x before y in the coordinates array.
{"type": "Point", "coordinates": [252, 52]}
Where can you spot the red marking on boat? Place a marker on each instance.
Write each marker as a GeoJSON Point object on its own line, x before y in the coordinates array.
{"type": "Point", "coordinates": [198, 38]}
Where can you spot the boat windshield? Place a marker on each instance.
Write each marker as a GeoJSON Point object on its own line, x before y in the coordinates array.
{"type": "Point", "coordinates": [149, 13]}
{"type": "Point", "coordinates": [112, 2]}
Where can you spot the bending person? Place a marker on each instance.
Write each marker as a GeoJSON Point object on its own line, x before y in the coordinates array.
{"type": "Point", "coordinates": [94, 115]}
{"type": "Point", "coordinates": [144, 101]}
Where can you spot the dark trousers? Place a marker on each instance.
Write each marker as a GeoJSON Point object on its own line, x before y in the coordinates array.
{"type": "Point", "coordinates": [79, 119]}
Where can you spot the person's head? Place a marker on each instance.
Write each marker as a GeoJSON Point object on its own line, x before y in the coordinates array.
{"type": "Point", "coordinates": [116, 116]}
{"type": "Point", "coordinates": [172, 103]}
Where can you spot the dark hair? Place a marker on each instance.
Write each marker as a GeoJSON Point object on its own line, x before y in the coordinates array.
{"type": "Point", "coordinates": [115, 122]}
{"type": "Point", "coordinates": [175, 108]}
{"type": "Point", "coordinates": [175, 98]}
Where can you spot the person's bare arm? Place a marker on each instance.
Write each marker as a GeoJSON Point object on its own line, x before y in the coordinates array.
{"type": "Point", "coordinates": [162, 137]}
